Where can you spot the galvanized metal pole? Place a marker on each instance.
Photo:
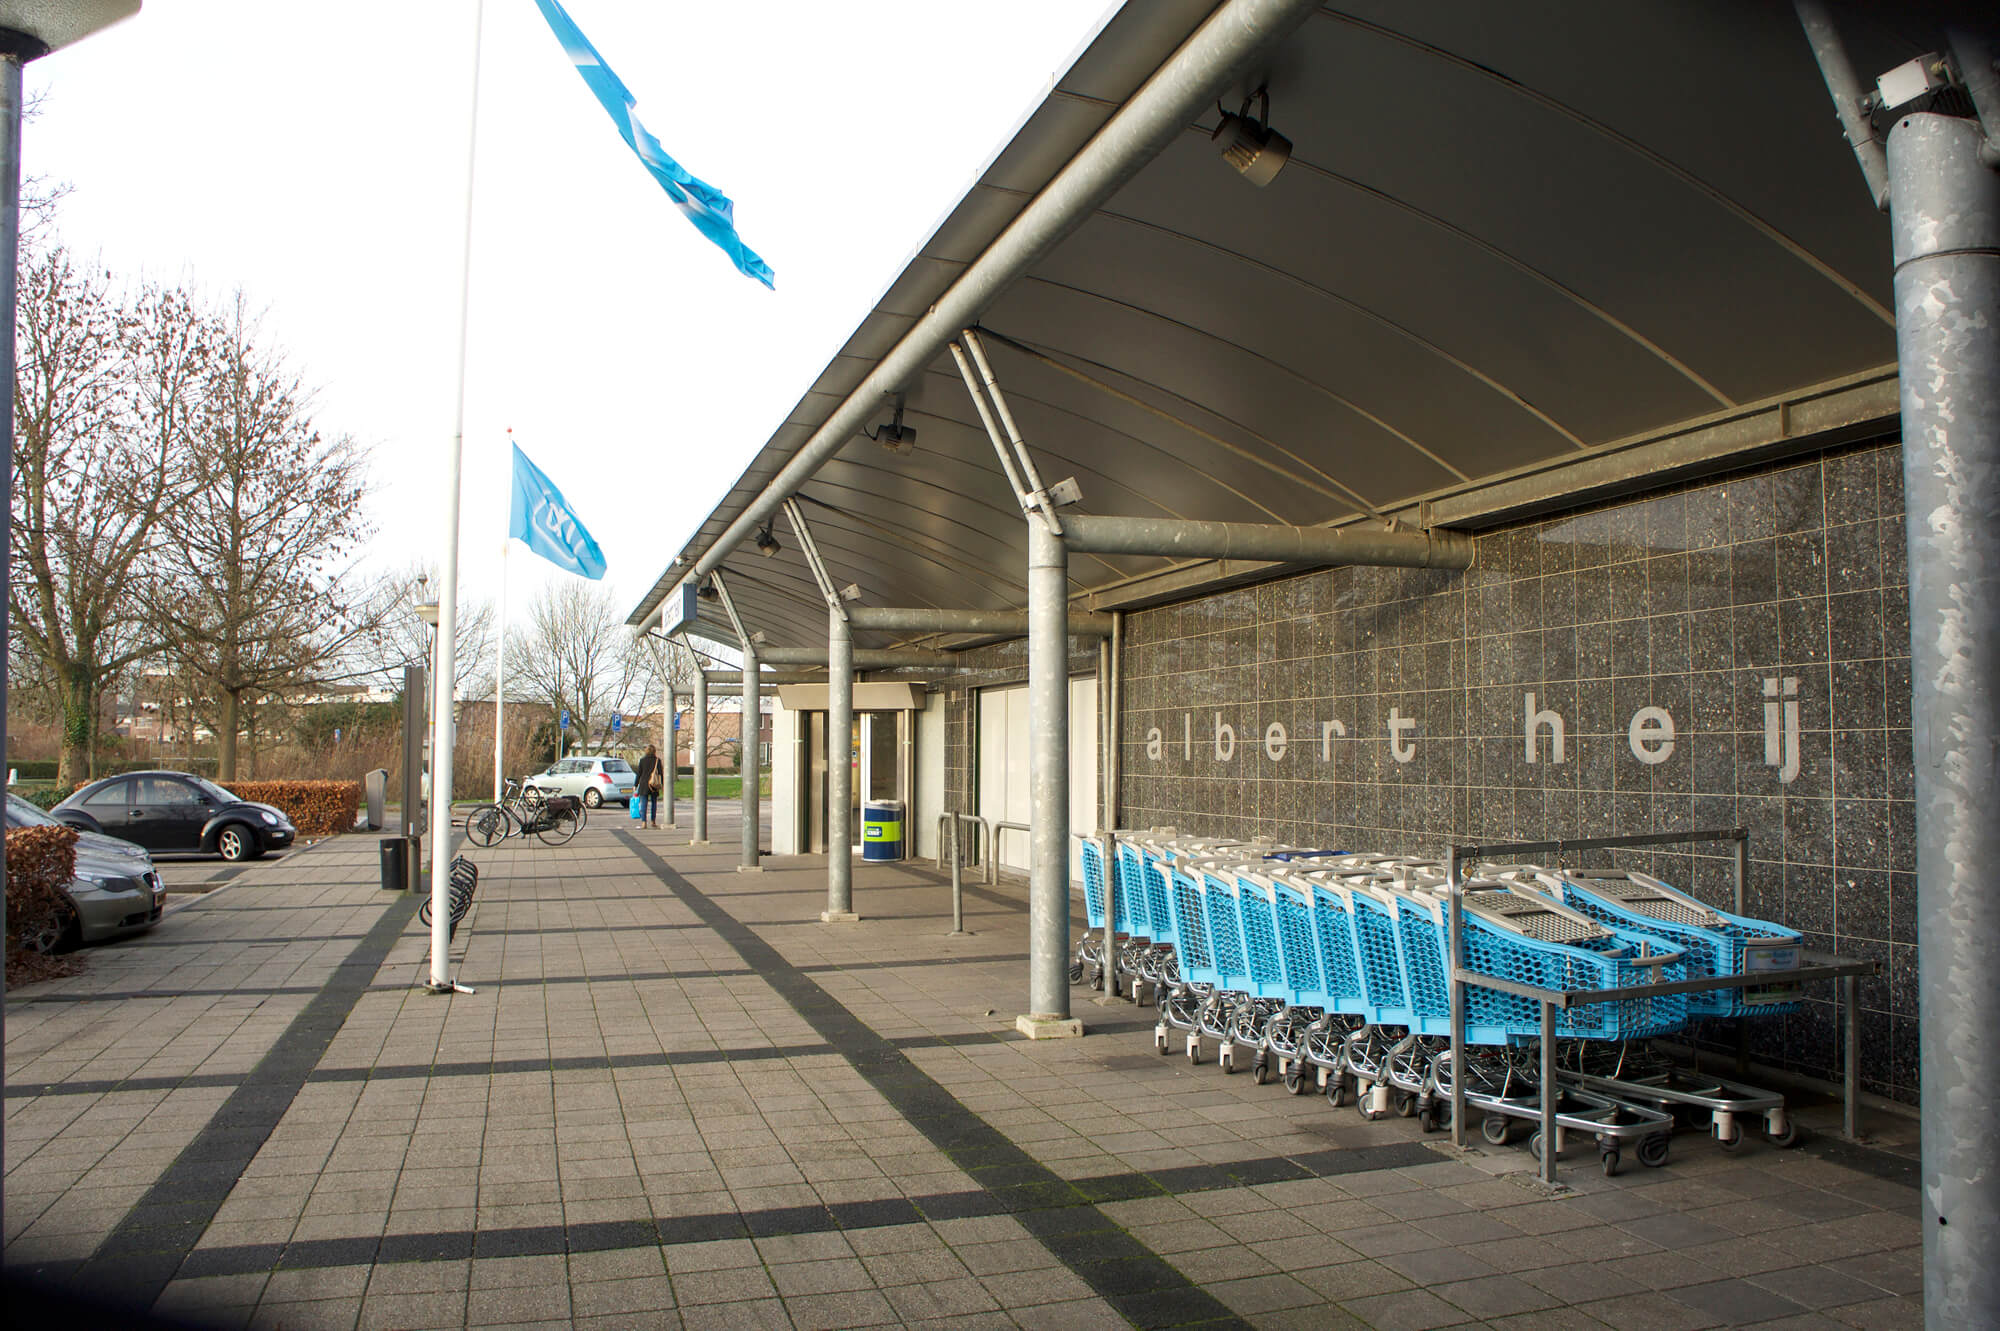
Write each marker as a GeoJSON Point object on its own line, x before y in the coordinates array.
{"type": "Point", "coordinates": [1549, 1131]}
{"type": "Point", "coordinates": [1742, 899]}
{"type": "Point", "coordinates": [1457, 918]}
{"type": "Point", "coordinates": [698, 759]}
{"type": "Point", "coordinates": [839, 767]}
{"type": "Point", "coordinates": [1109, 981]}
{"type": "Point", "coordinates": [1945, 226]}
{"type": "Point", "coordinates": [1847, 92]}
{"type": "Point", "coordinates": [667, 757]}
{"type": "Point", "coordinates": [1048, 787]}
{"type": "Point", "coordinates": [1115, 731]}
{"type": "Point", "coordinates": [751, 725]}
{"type": "Point", "coordinates": [957, 879]}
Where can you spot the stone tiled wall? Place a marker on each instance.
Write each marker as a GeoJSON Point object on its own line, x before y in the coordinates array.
{"type": "Point", "coordinates": [1764, 618]}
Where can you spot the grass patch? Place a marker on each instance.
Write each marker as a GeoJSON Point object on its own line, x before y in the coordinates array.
{"type": "Point", "coordinates": [720, 787]}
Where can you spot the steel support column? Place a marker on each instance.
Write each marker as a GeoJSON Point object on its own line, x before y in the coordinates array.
{"type": "Point", "coordinates": [698, 759]}
{"type": "Point", "coordinates": [1048, 787]}
{"type": "Point", "coordinates": [666, 751]}
{"type": "Point", "coordinates": [1945, 225]}
{"type": "Point", "coordinates": [839, 771]}
{"type": "Point", "coordinates": [750, 727]}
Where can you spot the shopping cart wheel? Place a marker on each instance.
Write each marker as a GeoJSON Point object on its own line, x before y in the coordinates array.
{"type": "Point", "coordinates": [1076, 972]}
{"type": "Point", "coordinates": [1336, 1091]}
{"type": "Point", "coordinates": [1431, 1117]}
{"type": "Point", "coordinates": [1364, 1106]}
{"type": "Point", "coordinates": [1610, 1159]}
{"type": "Point", "coordinates": [1406, 1104]}
{"type": "Point", "coordinates": [1295, 1082]}
{"type": "Point", "coordinates": [1653, 1150]}
{"type": "Point", "coordinates": [1788, 1138]}
{"type": "Point", "coordinates": [1495, 1129]}
{"type": "Point", "coordinates": [1732, 1144]}
{"type": "Point", "coordinates": [1260, 1072]}
{"type": "Point", "coordinates": [1535, 1145]}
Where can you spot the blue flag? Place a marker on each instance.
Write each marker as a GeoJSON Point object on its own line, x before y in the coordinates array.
{"type": "Point", "coordinates": [707, 207]}
{"type": "Point", "coordinates": [543, 520]}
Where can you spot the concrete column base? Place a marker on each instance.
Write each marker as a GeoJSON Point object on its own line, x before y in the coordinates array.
{"type": "Point", "coordinates": [1048, 1028]}
{"type": "Point", "coordinates": [749, 868]}
{"type": "Point", "coordinates": [703, 842]}
{"type": "Point", "coordinates": [838, 917]}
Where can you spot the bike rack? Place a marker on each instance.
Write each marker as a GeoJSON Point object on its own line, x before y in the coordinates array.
{"type": "Point", "coordinates": [993, 868]}
{"type": "Point", "coordinates": [948, 824]}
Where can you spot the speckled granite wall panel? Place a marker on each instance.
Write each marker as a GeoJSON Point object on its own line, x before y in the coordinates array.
{"type": "Point", "coordinates": [1730, 653]}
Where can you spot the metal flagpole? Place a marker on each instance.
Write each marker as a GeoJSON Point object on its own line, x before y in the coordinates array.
{"type": "Point", "coordinates": [447, 649]}
{"type": "Point", "coordinates": [500, 675]}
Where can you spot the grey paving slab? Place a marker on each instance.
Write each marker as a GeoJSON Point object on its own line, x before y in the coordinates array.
{"type": "Point", "coordinates": [676, 1098]}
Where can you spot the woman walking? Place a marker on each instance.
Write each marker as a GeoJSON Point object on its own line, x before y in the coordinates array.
{"type": "Point", "coordinates": [652, 779]}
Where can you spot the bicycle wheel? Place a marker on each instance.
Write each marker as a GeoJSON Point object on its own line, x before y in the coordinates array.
{"type": "Point", "coordinates": [560, 827]}
{"type": "Point", "coordinates": [485, 825]}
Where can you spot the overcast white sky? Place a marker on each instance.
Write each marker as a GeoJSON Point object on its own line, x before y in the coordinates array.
{"type": "Point", "coordinates": [313, 156]}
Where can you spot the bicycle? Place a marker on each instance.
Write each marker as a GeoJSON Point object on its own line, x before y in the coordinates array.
{"type": "Point", "coordinates": [554, 819]}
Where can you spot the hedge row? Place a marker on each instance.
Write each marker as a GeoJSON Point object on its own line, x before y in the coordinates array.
{"type": "Point", "coordinates": [28, 770]}
{"type": "Point", "coordinates": [39, 861]}
{"type": "Point", "coordinates": [316, 808]}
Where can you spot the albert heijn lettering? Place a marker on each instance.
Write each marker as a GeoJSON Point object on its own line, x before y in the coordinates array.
{"type": "Point", "coordinates": [1649, 734]}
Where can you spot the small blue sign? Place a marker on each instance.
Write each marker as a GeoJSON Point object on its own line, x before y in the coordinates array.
{"type": "Point", "coordinates": [565, 719]}
{"type": "Point", "coordinates": [677, 720]}
{"type": "Point", "coordinates": [617, 723]}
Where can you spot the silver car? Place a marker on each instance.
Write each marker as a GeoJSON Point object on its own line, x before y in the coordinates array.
{"type": "Point", "coordinates": [116, 890]}
{"type": "Point", "coordinates": [594, 780]}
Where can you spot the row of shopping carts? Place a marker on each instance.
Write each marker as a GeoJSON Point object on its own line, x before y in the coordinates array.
{"type": "Point", "coordinates": [1332, 969]}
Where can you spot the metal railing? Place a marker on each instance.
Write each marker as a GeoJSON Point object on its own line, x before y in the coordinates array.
{"type": "Point", "coordinates": [1819, 967]}
{"type": "Point", "coordinates": [997, 829]}
{"type": "Point", "coordinates": [948, 824]}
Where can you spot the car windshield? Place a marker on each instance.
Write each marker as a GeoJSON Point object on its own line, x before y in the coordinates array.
{"type": "Point", "coordinates": [22, 813]}
{"type": "Point", "coordinates": [217, 793]}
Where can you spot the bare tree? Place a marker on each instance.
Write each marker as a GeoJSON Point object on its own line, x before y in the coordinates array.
{"type": "Point", "coordinates": [104, 394]}
{"type": "Point", "coordinates": [395, 637]}
{"type": "Point", "coordinates": [575, 653]}
{"type": "Point", "coordinates": [249, 584]}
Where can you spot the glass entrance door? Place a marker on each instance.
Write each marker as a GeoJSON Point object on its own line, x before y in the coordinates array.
{"type": "Point", "coordinates": [877, 764]}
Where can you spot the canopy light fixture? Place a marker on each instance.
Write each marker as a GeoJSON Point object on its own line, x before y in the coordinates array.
{"type": "Point", "coordinates": [896, 436]}
{"type": "Point", "coordinates": [767, 544]}
{"type": "Point", "coordinates": [707, 592]}
{"type": "Point", "coordinates": [1252, 146]}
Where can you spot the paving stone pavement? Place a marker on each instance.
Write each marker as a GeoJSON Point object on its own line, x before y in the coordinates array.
{"type": "Point", "coordinates": [676, 1098]}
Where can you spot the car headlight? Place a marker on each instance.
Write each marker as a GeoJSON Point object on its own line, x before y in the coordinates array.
{"type": "Point", "coordinates": [269, 817]}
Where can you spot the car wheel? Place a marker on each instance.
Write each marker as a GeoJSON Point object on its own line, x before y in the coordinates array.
{"type": "Point", "coordinates": [58, 930]}
{"type": "Point", "coordinates": [236, 843]}
{"type": "Point", "coordinates": [592, 800]}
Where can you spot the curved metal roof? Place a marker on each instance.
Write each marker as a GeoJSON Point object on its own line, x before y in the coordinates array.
{"type": "Point", "coordinates": [1505, 239]}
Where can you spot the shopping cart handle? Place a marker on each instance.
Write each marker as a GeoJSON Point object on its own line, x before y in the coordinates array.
{"type": "Point", "coordinates": [1656, 959]}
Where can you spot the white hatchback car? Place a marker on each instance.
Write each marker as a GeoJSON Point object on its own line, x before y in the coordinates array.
{"type": "Point", "coordinates": [592, 780]}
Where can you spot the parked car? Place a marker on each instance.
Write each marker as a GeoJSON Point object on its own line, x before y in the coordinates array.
{"type": "Point", "coordinates": [176, 813]}
{"type": "Point", "coordinates": [591, 779]}
{"type": "Point", "coordinates": [116, 890]}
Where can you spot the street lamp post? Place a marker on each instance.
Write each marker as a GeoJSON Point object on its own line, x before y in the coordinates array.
{"type": "Point", "coordinates": [417, 734]}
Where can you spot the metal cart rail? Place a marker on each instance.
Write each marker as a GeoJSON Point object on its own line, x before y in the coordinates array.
{"type": "Point", "coordinates": [1817, 966]}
